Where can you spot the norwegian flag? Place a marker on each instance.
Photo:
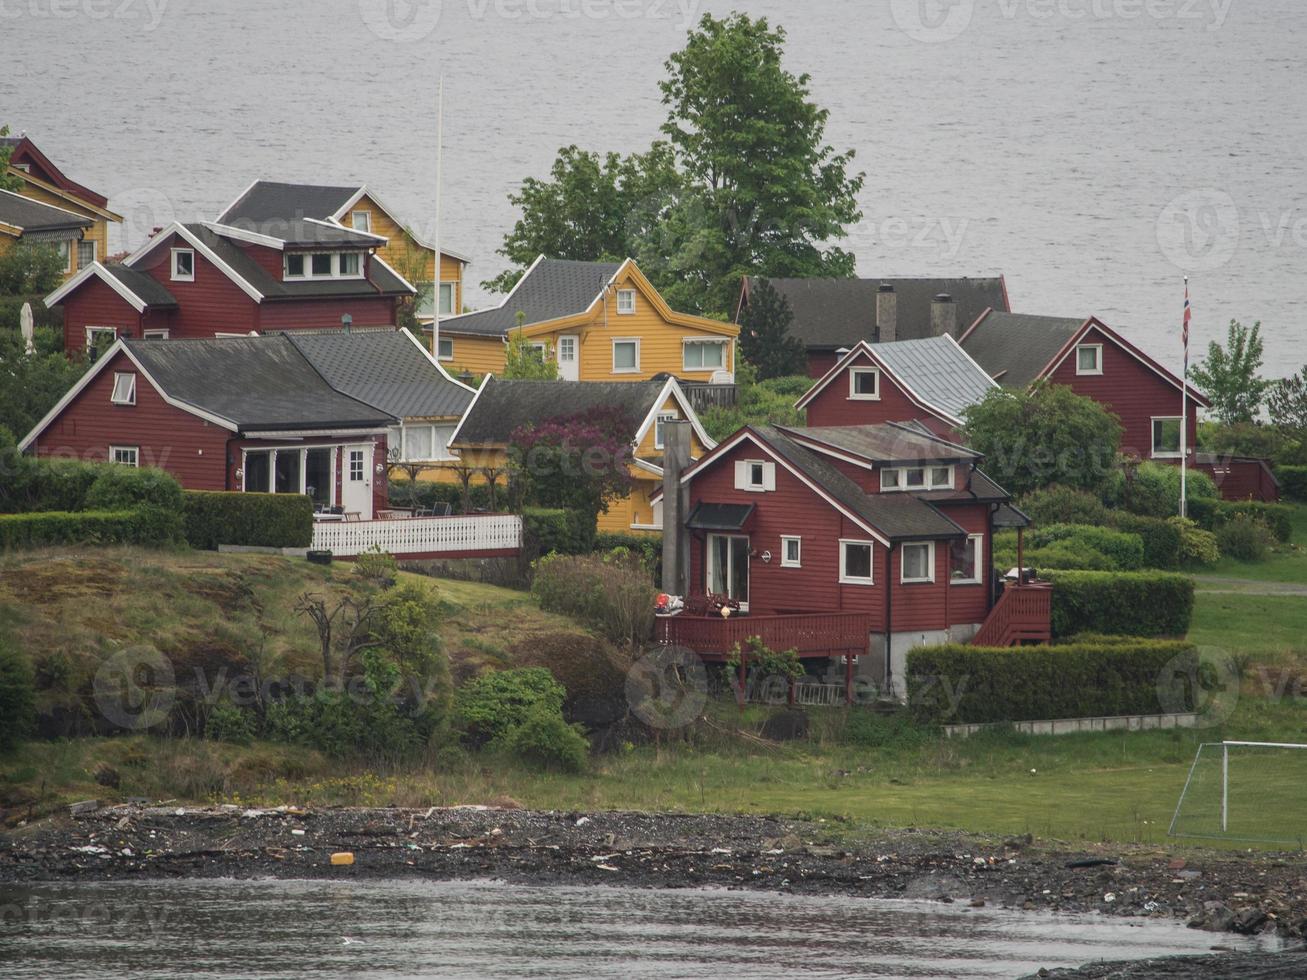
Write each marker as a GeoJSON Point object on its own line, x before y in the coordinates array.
{"type": "Point", "coordinates": [1188, 315]}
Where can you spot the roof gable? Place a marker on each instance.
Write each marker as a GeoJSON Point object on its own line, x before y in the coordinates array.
{"type": "Point", "coordinates": [31, 216]}
{"type": "Point", "coordinates": [1016, 348]}
{"type": "Point", "coordinates": [501, 407]}
{"type": "Point", "coordinates": [1096, 326]}
{"type": "Point", "coordinates": [42, 167]}
{"type": "Point", "coordinates": [141, 291]}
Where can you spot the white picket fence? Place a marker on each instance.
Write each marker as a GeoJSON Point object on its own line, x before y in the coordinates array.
{"type": "Point", "coordinates": [420, 535]}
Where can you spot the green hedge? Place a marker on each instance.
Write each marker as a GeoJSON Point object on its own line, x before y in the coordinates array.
{"type": "Point", "coordinates": [959, 684]}
{"type": "Point", "coordinates": [1293, 482]}
{"type": "Point", "coordinates": [647, 546]}
{"type": "Point", "coordinates": [563, 532]}
{"type": "Point", "coordinates": [1124, 550]}
{"type": "Point", "coordinates": [1161, 539]}
{"type": "Point", "coordinates": [47, 485]}
{"type": "Point", "coordinates": [1122, 603]}
{"type": "Point", "coordinates": [269, 520]}
{"type": "Point", "coordinates": [144, 526]}
{"type": "Point", "coordinates": [126, 488]}
{"type": "Point", "coordinates": [1278, 517]}
{"type": "Point", "coordinates": [426, 493]}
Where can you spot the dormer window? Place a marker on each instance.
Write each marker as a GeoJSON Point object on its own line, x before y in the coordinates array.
{"type": "Point", "coordinates": [124, 389]}
{"type": "Point", "coordinates": [350, 263]}
{"type": "Point", "coordinates": [626, 301]}
{"type": "Point", "coordinates": [1089, 359]}
{"type": "Point", "coordinates": [320, 265]}
{"type": "Point", "coordinates": [864, 384]}
{"type": "Point", "coordinates": [323, 265]}
{"type": "Point", "coordinates": [909, 478]}
{"type": "Point", "coordinates": [183, 265]}
{"type": "Point", "coordinates": [294, 266]}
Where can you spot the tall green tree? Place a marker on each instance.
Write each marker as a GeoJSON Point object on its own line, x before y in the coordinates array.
{"type": "Point", "coordinates": [31, 384]}
{"type": "Point", "coordinates": [8, 182]}
{"type": "Point", "coordinates": [1230, 377]}
{"type": "Point", "coordinates": [765, 339]}
{"type": "Point", "coordinates": [1286, 402]}
{"type": "Point", "coordinates": [524, 362]}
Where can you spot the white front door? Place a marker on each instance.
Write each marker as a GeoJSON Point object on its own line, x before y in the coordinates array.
{"type": "Point", "coordinates": [569, 359]}
{"type": "Point", "coordinates": [356, 476]}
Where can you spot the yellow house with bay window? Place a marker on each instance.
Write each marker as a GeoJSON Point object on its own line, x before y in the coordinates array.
{"type": "Point", "coordinates": [600, 321]}
{"type": "Point", "coordinates": [499, 408]}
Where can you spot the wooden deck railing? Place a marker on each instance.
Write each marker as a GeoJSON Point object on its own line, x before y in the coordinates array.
{"type": "Point", "coordinates": [1023, 614]}
{"type": "Point", "coordinates": [703, 395]}
{"type": "Point", "coordinates": [817, 635]}
{"type": "Point", "coordinates": [475, 533]}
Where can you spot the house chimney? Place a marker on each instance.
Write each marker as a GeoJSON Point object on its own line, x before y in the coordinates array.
{"type": "Point", "coordinates": [887, 314]}
{"type": "Point", "coordinates": [943, 316]}
{"type": "Point", "coordinates": [676, 537]}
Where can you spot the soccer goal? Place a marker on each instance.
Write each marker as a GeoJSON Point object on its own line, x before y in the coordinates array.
{"type": "Point", "coordinates": [1245, 791]}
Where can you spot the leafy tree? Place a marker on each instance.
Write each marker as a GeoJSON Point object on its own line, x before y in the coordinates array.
{"type": "Point", "coordinates": [750, 141]}
{"type": "Point", "coordinates": [592, 208]}
{"type": "Point", "coordinates": [30, 270]}
{"type": "Point", "coordinates": [769, 402]}
{"type": "Point", "coordinates": [8, 181]}
{"type": "Point", "coordinates": [1229, 375]}
{"type": "Point", "coordinates": [1049, 435]}
{"type": "Point", "coordinates": [744, 185]}
{"type": "Point", "coordinates": [31, 384]}
{"type": "Point", "coordinates": [765, 339]}
{"type": "Point", "coordinates": [522, 362]}
{"type": "Point", "coordinates": [1286, 402]}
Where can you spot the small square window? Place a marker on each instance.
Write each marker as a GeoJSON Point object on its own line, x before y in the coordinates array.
{"type": "Point", "coordinates": [100, 339]}
{"type": "Point", "coordinates": [915, 478]}
{"type": "Point", "coordinates": [125, 455]}
{"type": "Point", "coordinates": [626, 356]}
{"type": "Point", "coordinates": [86, 254]}
{"type": "Point", "coordinates": [1089, 359]}
{"type": "Point", "coordinates": [889, 479]}
{"type": "Point", "coordinates": [855, 562]}
{"type": "Point", "coordinates": [124, 389]}
{"type": "Point", "coordinates": [626, 301]}
{"type": "Point", "coordinates": [183, 265]}
{"type": "Point", "coordinates": [918, 563]}
{"type": "Point", "coordinates": [361, 220]}
{"type": "Point", "coordinates": [864, 383]}
{"type": "Point", "coordinates": [446, 348]}
{"type": "Point", "coordinates": [295, 266]}
{"type": "Point", "coordinates": [320, 264]}
{"type": "Point", "coordinates": [791, 552]}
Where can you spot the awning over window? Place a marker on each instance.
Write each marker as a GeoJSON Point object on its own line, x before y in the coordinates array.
{"type": "Point", "coordinates": [719, 517]}
{"type": "Point", "coordinates": [57, 235]}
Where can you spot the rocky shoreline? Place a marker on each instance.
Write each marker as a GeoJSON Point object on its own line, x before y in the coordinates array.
{"type": "Point", "coordinates": [1218, 891]}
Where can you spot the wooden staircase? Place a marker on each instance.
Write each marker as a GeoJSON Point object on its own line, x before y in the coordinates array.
{"type": "Point", "coordinates": [1023, 614]}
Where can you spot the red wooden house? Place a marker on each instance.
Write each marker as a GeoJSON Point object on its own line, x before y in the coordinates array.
{"type": "Point", "coordinates": [210, 280]}
{"type": "Point", "coordinates": [853, 541]}
{"type": "Point", "coordinates": [1095, 361]}
{"type": "Point", "coordinates": [932, 381]}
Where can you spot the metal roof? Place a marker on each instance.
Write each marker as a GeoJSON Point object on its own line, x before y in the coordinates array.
{"type": "Point", "coordinates": [938, 370]}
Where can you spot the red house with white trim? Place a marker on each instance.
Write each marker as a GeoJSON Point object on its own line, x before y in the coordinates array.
{"type": "Point", "coordinates": [859, 542]}
{"type": "Point", "coordinates": [210, 280]}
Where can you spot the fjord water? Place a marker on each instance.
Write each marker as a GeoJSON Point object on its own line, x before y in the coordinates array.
{"type": "Point", "coordinates": [228, 929]}
{"type": "Point", "coordinates": [1092, 150]}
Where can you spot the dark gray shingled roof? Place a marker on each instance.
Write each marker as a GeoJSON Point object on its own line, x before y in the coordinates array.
{"type": "Point", "coordinates": [833, 313]}
{"type": "Point", "coordinates": [1015, 347]}
{"type": "Point", "coordinates": [503, 406]}
{"type": "Point", "coordinates": [381, 280]}
{"type": "Point", "coordinates": [553, 288]}
{"type": "Point", "coordinates": [153, 292]}
{"type": "Point", "coordinates": [889, 442]}
{"type": "Point", "coordinates": [33, 216]}
{"type": "Point", "coordinates": [270, 200]}
{"type": "Point", "coordinates": [938, 370]}
{"type": "Point", "coordinates": [257, 383]}
{"type": "Point", "coordinates": [385, 369]}
{"type": "Point", "coordinates": [899, 516]}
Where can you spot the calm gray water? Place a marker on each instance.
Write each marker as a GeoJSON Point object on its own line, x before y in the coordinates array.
{"type": "Point", "coordinates": [231, 929]}
{"type": "Point", "coordinates": [1093, 150]}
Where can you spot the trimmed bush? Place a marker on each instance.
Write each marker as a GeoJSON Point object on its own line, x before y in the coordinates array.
{"type": "Point", "coordinates": [1245, 538]}
{"type": "Point", "coordinates": [1161, 538]}
{"type": "Point", "coordinates": [648, 547]}
{"type": "Point", "coordinates": [591, 670]}
{"type": "Point", "coordinates": [958, 684]}
{"type": "Point", "coordinates": [48, 485]}
{"type": "Point", "coordinates": [1125, 551]}
{"type": "Point", "coordinates": [1153, 489]}
{"type": "Point", "coordinates": [17, 697]}
{"type": "Point", "coordinates": [150, 526]}
{"type": "Point", "coordinates": [269, 520]}
{"type": "Point", "coordinates": [613, 594]}
{"type": "Point", "coordinates": [1197, 547]}
{"type": "Point", "coordinates": [1063, 505]}
{"type": "Point", "coordinates": [1293, 482]}
{"type": "Point", "coordinates": [1277, 517]}
{"type": "Point", "coordinates": [489, 706]}
{"type": "Point", "coordinates": [554, 531]}
{"type": "Point", "coordinates": [546, 741]}
{"type": "Point", "coordinates": [126, 488]}
{"type": "Point", "coordinates": [1147, 604]}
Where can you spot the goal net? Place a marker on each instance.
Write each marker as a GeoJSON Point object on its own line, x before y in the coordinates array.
{"type": "Point", "coordinates": [1245, 791]}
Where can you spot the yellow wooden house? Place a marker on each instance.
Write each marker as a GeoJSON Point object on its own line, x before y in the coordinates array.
{"type": "Point", "coordinates": [265, 204]}
{"type": "Point", "coordinates": [600, 321]}
{"type": "Point", "coordinates": [73, 219]}
{"type": "Point", "coordinates": [499, 408]}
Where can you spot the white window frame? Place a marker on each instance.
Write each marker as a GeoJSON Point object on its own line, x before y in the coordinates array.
{"type": "Point", "coordinates": [730, 567]}
{"type": "Point", "coordinates": [744, 473]}
{"type": "Point", "coordinates": [24, 167]}
{"type": "Point", "coordinates": [130, 396]}
{"type": "Point", "coordinates": [700, 342]}
{"type": "Point", "coordinates": [309, 275]}
{"type": "Point", "coordinates": [857, 372]}
{"type": "Point", "coordinates": [625, 302]}
{"type": "Point", "coordinates": [845, 577]}
{"type": "Point", "coordinates": [626, 340]}
{"type": "Point", "coordinates": [135, 452]}
{"type": "Point", "coordinates": [156, 333]}
{"type": "Point", "coordinates": [893, 479]}
{"type": "Point", "coordinates": [367, 221]}
{"type": "Point", "coordinates": [786, 562]}
{"type": "Point", "coordinates": [402, 445]}
{"type": "Point", "coordinates": [440, 299]}
{"type": "Point", "coordinates": [976, 542]}
{"type": "Point", "coordinates": [930, 563]}
{"type": "Point", "coordinates": [180, 276]}
{"type": "Point", "coordinates": [660, 441]}
{"type": "Point", "coordinates": [1098, 359]}
{"type": "Point", "coordinates": [1152, 437]}
{"type": "Point", "coordinates": [92, 331]}
{"type": "Point", "coordinates": [440, 348]}
{"type": "Point", "coordinates": [95, 252]}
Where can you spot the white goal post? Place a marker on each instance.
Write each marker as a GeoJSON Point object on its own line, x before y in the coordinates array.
{"type": "Point", "coordinates": [1270, 810]}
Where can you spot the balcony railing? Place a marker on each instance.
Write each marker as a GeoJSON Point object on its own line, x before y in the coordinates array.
{"type": "Point", "coordinates": [1023, 614]}
{"type": "Point", "coordinates": [814, 635]}
{"type": "Point", "coordinates": [430, 536]}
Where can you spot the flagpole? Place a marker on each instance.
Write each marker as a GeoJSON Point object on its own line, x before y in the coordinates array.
{"type": "Point", "coordinates": [1184, 411]}
{"type": "Point", "coordinates": [435, 284]}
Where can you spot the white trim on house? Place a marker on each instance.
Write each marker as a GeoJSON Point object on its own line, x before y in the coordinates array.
{"type": "Point", "coordinates": [929, 577]}
{"type": "Point", "coordinates": [845, 577]}
{"type": "Point", "coordinates": [1098, 360]}
{"type": "Point", "coordinates": [453, 439]}
{"type": "Point", "coordinates": [723, 342]}
{"type": "Point", "coordinates": [335, 223]}
{"type": "Point", "coordinates": [173, 274]}
{"type": "Point", "coordinates": [857, 372]}
{"type": "Point", "coordinates": [245, 235]}
{"type": "Point", "coordinates": [976, 542]}
{"type": "Point", "coordinates": [127, 397]}
{"type": "Point", "coordinates": [354, 216]}
{"type": "Point", "coordinates": [79, 217]}
{"type": "Point", "coordinates": [747, 469]}
{"type": "Point", "coordinates": [303, 450]}
{"type": "Point", "coordinates": [337, 256]}
{"type": "Point", "coordinates": [135, 455]}
{"type": "Point", "coordinates": [928, 481]}
{"type": "Point", "coordinates": [91, 329]}
{"type": "Point", "coordinates": [502, 303]}
{"type": "Point", "coordinates": [156, 333]}
{"type": "Point", "coordinates": [355, 434]}
{"type": "Point", "coordinates": [105, 276]}
{"type": "Point", "coordinates": [177, 228]}
{"type": "Point", "coordinates": [435, 361]}
{"type": "Point", "coordinates": [1152, 436]}
{"type": "Point", "coordinates": [786, 561]}
{"type": "Point", "coordinates": [626, 340]}
{"type": "Point", "coordinates": [239, 197]}
{"type": "Point", "coordinates": [376, 257]}
{"type": "Point", "coordinates": [672, 389]}
{"type": "Point", "coordinates": [1108, 334]}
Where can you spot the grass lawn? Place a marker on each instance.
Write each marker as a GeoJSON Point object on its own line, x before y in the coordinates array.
{"type": "Point", "coordinates": [1273, 628]}
{"type": "Point", "coordinates": [1287, 563]}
